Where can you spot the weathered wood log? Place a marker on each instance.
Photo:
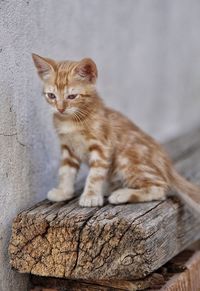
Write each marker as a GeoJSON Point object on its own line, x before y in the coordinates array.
{"type": "Point", "coordinates": [112, 242]}
{"type": "Point", "coordinates": [182, 273]}
{"type": "Point", "coordinates": [154, 280]}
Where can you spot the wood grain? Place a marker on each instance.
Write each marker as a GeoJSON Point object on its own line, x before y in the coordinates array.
{"type": "Point", "coordinates": [189, 280]}
{"type": "Point", "coordinates": [182, 273]}
{"type": "Point", "coordinates": [124, 242]}
{"type": "Point", "coordinates": [155, 280]}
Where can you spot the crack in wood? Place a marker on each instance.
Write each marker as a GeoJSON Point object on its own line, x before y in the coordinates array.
{"type": "Point", "coordinates": [113, 242]}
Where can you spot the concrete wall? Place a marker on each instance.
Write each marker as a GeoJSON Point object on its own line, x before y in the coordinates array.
{"type": "Point", "coordinates": [148, 54]}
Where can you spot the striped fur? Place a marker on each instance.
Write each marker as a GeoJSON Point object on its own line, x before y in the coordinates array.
{"type": "Point", "coordinates": [124, 161]}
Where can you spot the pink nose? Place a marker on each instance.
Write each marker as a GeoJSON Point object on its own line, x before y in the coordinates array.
{"type": "Point", "coordinates": [61, 110]}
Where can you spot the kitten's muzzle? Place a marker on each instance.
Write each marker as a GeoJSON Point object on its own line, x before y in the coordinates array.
{"type": "Point", "coordinates": [61, 110]}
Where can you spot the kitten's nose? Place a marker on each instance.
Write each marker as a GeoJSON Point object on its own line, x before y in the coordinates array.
{"type": "Point", "coordinates": [61, 110]}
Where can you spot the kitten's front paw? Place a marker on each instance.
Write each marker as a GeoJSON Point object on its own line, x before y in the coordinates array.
{"type": "Point", "coordinates": [90, 200]}
{"type": "Point", "coordinates": [58, 195]}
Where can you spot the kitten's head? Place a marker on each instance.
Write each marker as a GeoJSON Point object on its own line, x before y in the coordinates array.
{"type": "Point", "coordinates": [69, 86]}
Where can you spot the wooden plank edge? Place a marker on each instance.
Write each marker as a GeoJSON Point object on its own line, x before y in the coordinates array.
{"type": "Point", "coordinates": [189, 280]}
{"type": "Point", "coordinates": [181, 273]}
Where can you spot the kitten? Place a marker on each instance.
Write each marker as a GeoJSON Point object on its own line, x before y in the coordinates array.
{"type": "Point", "coordinates": [123, 160]}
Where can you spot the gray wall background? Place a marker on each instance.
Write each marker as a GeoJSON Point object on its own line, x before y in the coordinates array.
{"type": "Point", "coordinates": [148, 54]}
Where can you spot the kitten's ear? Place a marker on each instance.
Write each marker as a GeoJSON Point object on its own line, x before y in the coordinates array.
{"type": "Point", "coordinates": [86, 70]}
{"type": "Point", "coordinates": [45, 67]}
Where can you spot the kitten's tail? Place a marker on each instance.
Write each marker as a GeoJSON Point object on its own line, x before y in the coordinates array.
{"type": "Point", "coordinates": [187, 191]}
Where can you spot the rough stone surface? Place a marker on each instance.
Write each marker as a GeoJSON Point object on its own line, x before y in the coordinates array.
{"type": "Point", "coordinates": [148, 58]}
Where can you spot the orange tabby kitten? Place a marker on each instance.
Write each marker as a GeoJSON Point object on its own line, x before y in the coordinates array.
{"type": "Point", "coordinates": [123, 160]}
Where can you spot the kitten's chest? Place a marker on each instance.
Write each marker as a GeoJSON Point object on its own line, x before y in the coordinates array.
{"type": "Point", "coordinates": [76, 140]}
{"type": "Point", "coordinates": [78, 145]}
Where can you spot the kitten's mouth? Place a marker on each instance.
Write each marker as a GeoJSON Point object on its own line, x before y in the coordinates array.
{"type": "Point", "coordinates": [66, 112]}
{"type": "Point", "coordinates": [61, 111]}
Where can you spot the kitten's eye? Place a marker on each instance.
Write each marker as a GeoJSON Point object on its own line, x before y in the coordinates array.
{"type": "Point", "coordinates": [51, 96]}
{"type": "Point", "coordinates": [72, 96]}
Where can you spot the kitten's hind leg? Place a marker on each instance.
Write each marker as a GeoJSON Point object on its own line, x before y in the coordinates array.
{"type": "Point", "coordinates": [125, 195]}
